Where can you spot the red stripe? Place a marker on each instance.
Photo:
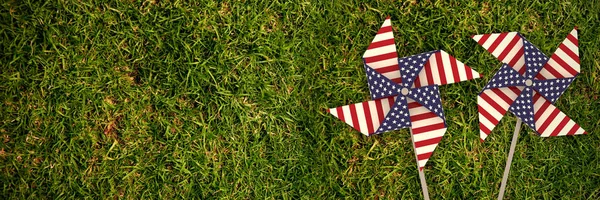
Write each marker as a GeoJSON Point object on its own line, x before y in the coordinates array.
{"type": "Point", "coordinates": [387, 69]}
{"type": "Point", "coordinates": [483, 39]}
{"type": "Point", "coordinates": [440, 66]}
{"type": "Point", "coordinates": [391, 102]}
{"type": "Point", "coordinates": [570, 53]}
{"type": "Point", "coordinates": [384, 29]}
{"type": "Point", "coordinates": [354, 117]}
{"type": "Point", "coordinates": [424, 156]}
{"type": "Point", "coordinates": [563, 64]}
{"type": "Point", "coordinates": [573, 129]}
{"type": "Point", "coordinates": [454, 67]}
{"type": "Point", "coordinates": [548, 120]}
{"type": "Point", "coordinates": [539, 76]}
{"type": "Point", "coordinates": [469, 73]}
{"type": "Point", "coordinates": [559, 127]}
{"type": "Point", "coordinates": [552, 71]}
{"type": "Point", "coordinates": [379, 107]}
{"type": "Point", "coordinates": [367, 112]}
{"type": "Point", "coordinates": [487, 115]}
{"type": "Point", "coordinates": [572, 38]}
{"type": "Point", "coordinates": [541, 110]}
{"type": "Point", "coordinates": [428, 73]}
{"type": "Point", "coordinates": [502, 96]}
{"type": "Point", "coordinates": [428, 128]}
{"type": "Point", "coordinates": [428, 142]}
{"type": "Point", "coordinates": [515, 59]}
{"type": "Point", "coordinates": [413, 105]}
{"type": "Point", "coordinates": [340, 113]}
{"type": "Point", "coordinates": [381, 57]}
{"type": "Point", "coordinates": [492, 103]}
{"type": "Point", "coordinates": [417, 81]}
{"type": "Point", "coordinates": [381, 43]}
{"type": "Point", "coordinates": [422, 116]}
{"type": "Point", "coordinates": [515, 90]}
{"type": "Point", "coordinates": [485, 129]}
{"type": "Point", "coordinates": [509, 48]}
{"type": "Point", "coordinates": [497, 42]}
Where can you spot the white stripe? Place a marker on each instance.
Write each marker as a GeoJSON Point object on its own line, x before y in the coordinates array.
{"type": "Point", "coordinates": [560, 53]}
{"type": "Point", "coordinates": [428, 135]}
{"type": "Point", "coordinates": [511, 54]}
{"type": "Point", "coordinates": [546, 74]}
{"type": "Point", "coordinates": [462, 73]}
{"type": "Point", "coordinates": [520, 63]}
{"type": "Point", "coordinates": [383, 63]}
{"type": "Point", "coordinates": [490, 40]}
{"type": "Point", "coordinates": [558, 68]}
{"type": "Point", "coordinates": [426, 122]}
{"type": "Point", "coordinates": [566, 128]}
{"type": "Point", "coordinates": [333, 111]}
{"type": "Point", "coordinates": [362, 121]}
{"type": "Point", "coordinates": [385, 106]}
{"type": "Point", "coordinates": [571, 46]}
{"type": "Point", "coordinates": [425, 149]}
{"type": "Point", "coordinates": [486, 122]}
{"type": "Point", "coordinates": [449, 73]}
{"type": "Point", "coordinates": [383, 36]}
{"type": "Point", "coordinates": [554, 124]}
{"type": "Point", "coordinates": [392, 74]}
{"type": "Point", "coordinates": [380, 50]}
{"type": "Point", "coordinates": [500, 48]}
{"type": "Point", "coordinates": [423, 77]}
{"type": "Point", "coordinates": [544, 116]}
{"type": "Point", "coordinates": [423, 162]}
{"type": "Point", "coordinates": [493, 96]}
{"type": "Point", "coordinates": [477, 37]}
{"type": "Point", "coordinates": [482, 134]}
{"type": "Point", "coordinates": [434, 69]}
{"type": "Point", "coordinates": [347, 116]}
{"type": "Point", "coordinates": [374, 115]}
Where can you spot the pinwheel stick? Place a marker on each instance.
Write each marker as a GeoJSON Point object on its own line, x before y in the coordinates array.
{"type": "Point", "coordinates": [421, 174]}
{"type": "Point", "coordinates": [511, 153]}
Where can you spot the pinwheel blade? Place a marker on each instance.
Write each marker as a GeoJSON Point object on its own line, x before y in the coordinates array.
{"type": "Point", "coordinates": [507, 47]}
{"type": "Point", "coordinates": [441, 68]}
{"type": "Point", "coordinates": [381, 54]}
{"type": "Point", "coordinates": [492, 105]}
{"type": "Point", "coordinates": [564, 63]}
{"type": "Point", "coordinates": [379, 85]}
{"type": "Point", "coordinates": [550, 121]}
{"type": "Point", "coordinates": [365, 117]}
{"type": "Point", "coordinates": [428, 129]}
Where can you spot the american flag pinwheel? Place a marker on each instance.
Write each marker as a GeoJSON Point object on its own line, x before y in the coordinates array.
{"type": "Point", "coordinates": [404, 93]}
{"type": "Point", "coordinates": [528, 84]}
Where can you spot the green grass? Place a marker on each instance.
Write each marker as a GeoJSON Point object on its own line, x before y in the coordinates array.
{"type": "Point", "coordinates": [202, 100]}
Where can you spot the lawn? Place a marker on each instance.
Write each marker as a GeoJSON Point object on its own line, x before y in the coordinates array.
{"type": "Point", "coordinates": [165, 99]}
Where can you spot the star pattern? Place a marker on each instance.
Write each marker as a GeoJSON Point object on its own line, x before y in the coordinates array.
{"type": "Point", "coordinates": [380, 85]}
{"type": "Point", "coordinates": [428, 96]}
{"type": "Point", "coordinates": [410, 67]}
{"type": "Point", "coordinates": [506, 77]}
{"type": "Point", "coordinates": [522, 107]}
{"type": "Point", "coordinates": [534, 58]}
{"type": "Point", "coordinates": [551, 89]}
{"type": "Point", "coordinates": [397, 118]}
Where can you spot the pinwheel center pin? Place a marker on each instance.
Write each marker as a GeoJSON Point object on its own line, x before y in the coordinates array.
{"type": "Point", "coordinates": [528, 82]}
{"type": "Point", "coordinates": [403, 91]}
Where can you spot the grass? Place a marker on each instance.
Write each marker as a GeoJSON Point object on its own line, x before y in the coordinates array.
{"type": "Point", "coordinates": [165, 99]}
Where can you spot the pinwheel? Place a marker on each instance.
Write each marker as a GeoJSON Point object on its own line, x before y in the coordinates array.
{"type": "Point", "coordinates": [405, 94]}
{"type": "Point", "coordinates": [527, 85]}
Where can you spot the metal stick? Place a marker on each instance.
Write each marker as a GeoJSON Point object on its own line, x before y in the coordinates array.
{"type": "Point", "coordinates": [511, 153]}
{"type": "Point", "coordinates": [421, 174]}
